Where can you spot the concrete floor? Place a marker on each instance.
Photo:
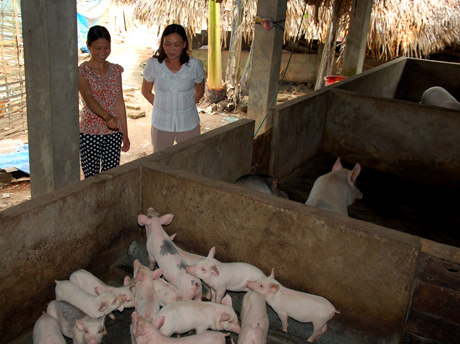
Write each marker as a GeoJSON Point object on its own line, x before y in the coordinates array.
{"type": "Point", "coordinates": [389, 201]}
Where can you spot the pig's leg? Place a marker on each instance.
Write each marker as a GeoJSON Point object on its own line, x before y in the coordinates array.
{"type": "Point", "coordinates": [317, 332]}
{"type": "Point", "coordinates": [284, 320]}
{"type": "Point", "coordinates": [152, 262]}
{"type": "Point", "coordinates": [213, 295]}
{"type": "Point", "coordinates": [220, 295]}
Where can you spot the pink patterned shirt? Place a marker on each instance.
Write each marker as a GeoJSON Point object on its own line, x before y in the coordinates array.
{"type": "Point", "coordinates": [105, 90]}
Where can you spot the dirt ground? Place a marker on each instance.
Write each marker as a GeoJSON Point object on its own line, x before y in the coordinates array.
{"type": "Point", "coordinates": [131, 50]}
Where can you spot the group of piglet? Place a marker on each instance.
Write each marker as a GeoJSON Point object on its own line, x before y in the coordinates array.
{"type": "Point", "coordinates": [172, 304]}
{"type": "Point", "coordinates": [334, 191]}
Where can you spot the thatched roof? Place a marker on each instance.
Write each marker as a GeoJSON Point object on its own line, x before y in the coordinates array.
{"type": "Point", "coordinates": [414, 28]}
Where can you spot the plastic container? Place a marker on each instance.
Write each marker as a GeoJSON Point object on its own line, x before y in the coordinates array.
{"type": "Point", "coordinates": [332, 79]}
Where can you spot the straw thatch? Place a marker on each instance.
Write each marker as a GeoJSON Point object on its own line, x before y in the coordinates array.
{"type": "Point", "coordinates": [414, 28]}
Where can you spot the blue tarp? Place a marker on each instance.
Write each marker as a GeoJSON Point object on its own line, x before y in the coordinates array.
{"type": "Point", "coordinates": [89, 13]}
{"type": "Point", "coordinates": [18, 159]}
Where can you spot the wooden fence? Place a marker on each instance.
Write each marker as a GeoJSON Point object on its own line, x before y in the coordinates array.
{"type": "Point", "coordinates": [13, 115]}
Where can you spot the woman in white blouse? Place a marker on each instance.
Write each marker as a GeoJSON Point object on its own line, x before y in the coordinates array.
{"type": "Point", "coordinates": [179, 85]}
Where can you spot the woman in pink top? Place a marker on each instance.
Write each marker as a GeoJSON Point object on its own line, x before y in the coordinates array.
{"type": "Point", "coordinates": [179, 85]}
{"type": "Point", "coordinates": [103, 126]}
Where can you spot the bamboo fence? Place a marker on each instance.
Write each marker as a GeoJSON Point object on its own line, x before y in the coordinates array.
{"type": "Point", "coordinates": [13, 117]}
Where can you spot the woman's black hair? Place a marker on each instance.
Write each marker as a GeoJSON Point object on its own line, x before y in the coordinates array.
{"type": "Point", "coordinates": [96, 32]}
{"type": "Point", "coordinates": [173, 28]}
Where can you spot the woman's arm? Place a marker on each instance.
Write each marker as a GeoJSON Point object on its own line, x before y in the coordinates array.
{"type": "Point", "coordinates": [121, 108]}
{"type": "Point", "coordinates": [87, 94]}
{"type": "Point", "coordinates": [199, 91]}
{"type": "Point", "coordinates": [147, 87]}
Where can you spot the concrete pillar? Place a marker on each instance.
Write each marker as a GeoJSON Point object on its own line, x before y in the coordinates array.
{"type": "Point", "coordinates": [51, 59]}
{"type": "Point", "coordinates": [266, 62]}
{"type": "Point", "coordinates": [355, 49]}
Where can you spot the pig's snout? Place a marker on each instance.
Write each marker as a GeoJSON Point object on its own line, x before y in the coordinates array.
{"type": "Point", "coordinates": [189, 269]}
{"type": "Point", "coordinates": [237, 329]}
{"type": "Point", "coordinates": [249, 284]}
{"type": "Point", "coordinates": [92, 342]}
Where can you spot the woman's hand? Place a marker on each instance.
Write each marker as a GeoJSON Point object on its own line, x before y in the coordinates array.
{"type": "Point", "coordinates": [126, 144]}
{"type": "Point", "coordinates": [112, 123]}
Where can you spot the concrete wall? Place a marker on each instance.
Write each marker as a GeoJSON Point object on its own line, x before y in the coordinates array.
{"type": "Point", "coordinates": [395, 137]}
{"type": "Point", "coordinates": [359, 119]}
{"type": "Point", "coordinates": [309, 252]}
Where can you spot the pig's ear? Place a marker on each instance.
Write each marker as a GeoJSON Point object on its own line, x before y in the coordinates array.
{"type": "Point", "coordinates": [103, 307]}
{"type": "Point", "coordinates": [136, 263]}
{"type": "Point", "coordinates": [227, 300]}
{"type": "Point", "coordinates": [212, 252]}
{"type": "Point", "coordinates": [272, 275]}
{"type": "Point", "coordinates": [135, 316]}
{"type": "Point", "coordinates": [214, 270]}
{"type": "Point", "coordinates": [172, 236]}
{"type": "Point", "coordinates": [337, 165]}
{"type": "Point", "coordinates": [224, 317]}
{"type": "Point", "coordinates": [166, 219]}
{"type": "Point", "coordinates": [354, 174]}
{"type": "Point", "coordinates": [274, 287]}
{"type": "Point", "coordinates": [143, 220]}
{"type": "Point", "coordinates": [159, 322]}
{"type": "Point", "coordinates": [126, 281]}
{"type": "Point", "coordinates": [157, 273]}
{"type": "Point", "coordinates": [80, 324]}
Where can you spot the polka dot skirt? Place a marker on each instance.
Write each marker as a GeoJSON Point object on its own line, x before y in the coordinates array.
{"type": "Point", "coordinates": [98, 153]}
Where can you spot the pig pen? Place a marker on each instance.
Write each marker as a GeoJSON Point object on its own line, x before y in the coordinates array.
{"type": "Point", "coordinates": [389, 286]}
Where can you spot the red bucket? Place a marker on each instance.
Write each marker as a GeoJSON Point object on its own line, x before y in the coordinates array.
{"type": "Point", "coordinates": [332, 79]}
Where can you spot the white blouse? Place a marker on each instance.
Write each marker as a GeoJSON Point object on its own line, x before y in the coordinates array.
{"type": "Point", "coordinates": [174, 106]}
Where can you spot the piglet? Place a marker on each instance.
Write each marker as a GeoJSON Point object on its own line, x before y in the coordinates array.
{"type": "Point", "coordinates": [439, 96]}
{"type": "Point", "coordinates": [336, 190]}
{"type": "Point", "coordinates": [151, 291]}
{"type": "Point", "coordinates": [184, 316]}
{"type": "Point", "coordinates": [300, 306]}
{"type": "Point", "coordinates": [221, 277]}
{"type": "Point", "coordinates": [147, 332]}
{"type": "Point", "coordinates": [88, 282]}
{"type": "Point", "coordinates": [254, 319]}
{"type": "Point", "coordinates": [162, 251]}
{"type": "Point", "coordinates": [95, 306]}
{"type": "Point", "coordinates": [76, 324]}
{"type": "Point", "coordinates": [46, 331]}
{"type": "Point", "coordinates": [263, 183]}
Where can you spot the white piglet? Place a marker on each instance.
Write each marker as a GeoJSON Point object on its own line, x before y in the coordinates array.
{"type": "Point", "coordinates": [147, 332]}
{"type": "Point", "coordinates": [221, 277]}
{"type": "Point", "coordinates": [95, 306]}
{"type": "Point", "coordinates": [162, 250]}
{"type": "Point", "coordinates": [336, 190]}
{"type": "Point", "coordinates": [76, 324]}
{"type": "Point", "coordinates": [88, 282]}
{"type": "Point", "coordinates": [254, 319]}
{"type": "Point", "coordinates": [300, 306]}
{"type": "Point", "coordinates": [439, 96]}
{"type": "Point", "coordinates": [46, 331]}
{"type": "Point", "coordinates": [184, 316]}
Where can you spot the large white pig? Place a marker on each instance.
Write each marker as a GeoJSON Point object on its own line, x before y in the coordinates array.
{"type": "Point", "coordinates": [224, 276]}
{"type": "Point", "coordinates": [148, 333]}
{"type": "Point", "coordinates": [95, 306]}
{"type": "Point", "coordinates": [336, 190]}
{"type": "Point", "coordinates": [439, 96]}
{"type": "Point", "coordinates": [76, 324]}
{"type": "Point", "coordinates": [184, 316]}
{"type": "Point", "coordinates": [88, 282]}
{"type": "Point", "coordinates": [46, 331]}
{"type": "Point", "coordinates": [302, 307]}
{"type": "Point", "coordinates": [254, 319]}
{"type": "Point", "coordinates": [162, 250]}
